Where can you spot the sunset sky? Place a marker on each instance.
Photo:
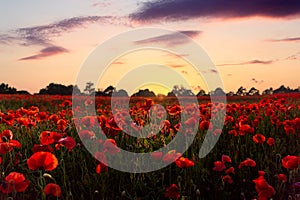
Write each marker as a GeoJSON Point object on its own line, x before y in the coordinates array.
{"type": "Point", "coordinates": [252, 43]}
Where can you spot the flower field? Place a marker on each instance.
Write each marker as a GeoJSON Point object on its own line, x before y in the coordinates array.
{"type": "Point", "coordinates": [42, 155]}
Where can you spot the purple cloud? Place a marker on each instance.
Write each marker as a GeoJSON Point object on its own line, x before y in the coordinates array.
{"type": "Point", "coordinates": [170, 40]}
{"type": "Point", "coordinates": [186, 9]}
{"type": "Point", "coordinates": [291, 39]}
{"type": "Point", "coordinates": [251, 62]}
{"type": "Point", "coordinates": [46, 52]}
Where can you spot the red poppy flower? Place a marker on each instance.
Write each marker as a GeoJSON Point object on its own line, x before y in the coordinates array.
{"type": "Point", "coordinates": [219, 166]}
{"type": "Point", "coordinates": [156, 155]}
{"type": "Point", "coordinates": [270, 141]}
{"type": "Point", "coordinates": [171, 156]}
{"type": "Point", "coordinates": [259, 138]}
{"type": "Point", "coordinates": [226, 159]}
{"type": "Point", "coordinates": [282, 177]}
{"type": "Point", "coordinates": [8, 146]}
{"type": "Point", "coordinates": [173, 192]}
{"type": "Point", "coordinates": [68, 142]}
{"type": "Point", "coordinates": [184, 162]}
{"type": "Point", "coordinates": [40, 147]}
{"type": "Point", "coordinates": [110, 146]}
{"type": "Point", "coordinates": [14, 182]}
{"type": "Point", "coordinates": [102, 166]}
{"type": "Point", "coordinates": [246, 129]}
{"type": "Point", "coordinates": [48, 137]}
{"type": "Point", "coordinates": [204, 125]}
{"type": "Point", "coordinates": [290, 162]}
{"type": "Point", "coordinates": [227, 179]}
{"type": "Point", "coordinates": [52, 189]}
{"type": "Point", "coordinates": [247, 163]}
{"type": "Point", "coordinates": [230, 170]}
{"type": "Point", "coordinates": [264, 190]}
{"type": "Point", "coordinates": [41, 159]}
{"type": "Point", "coordinates": [175, 110]}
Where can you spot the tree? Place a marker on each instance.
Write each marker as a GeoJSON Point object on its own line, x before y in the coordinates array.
{"type": "Point", "coordinates": [201, 93]}
{"type": "Point", "coordinates": [109, 90]}
{"type": "Point", "coordinates": [180, 91]}
{"type": "Point", "coordinates": [241, 91]}
{"type": "Point", "coordinates": [218, 92]}
{"type": "Point", "coordinates": [144, 93]}
{"type": "Point", "coordinates": [59, 89]}
{"type": "Point", "coordinates": [231, 93]}
{"type": "Point", "coordinates": [6, 89]}
{"type": "Point", "coordinates": [268, 91]}
{"type": "Point", "coordinates": [89, 88]}
{"type": "Point", "coordinates": [253, 91]}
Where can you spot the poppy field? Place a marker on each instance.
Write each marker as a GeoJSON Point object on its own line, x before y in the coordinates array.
{"type": "Point", "coordinates": [42, 155]}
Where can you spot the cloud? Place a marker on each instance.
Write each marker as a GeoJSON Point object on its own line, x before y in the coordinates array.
{"type": "Point", "coordinates": [187, 9]}
{"type": "Point", "coordinates": [170, 40]}
{"type": "Point", "coordinates": [39, 35]}
{"type": "Point", "coordinates": [251, 62]}
{"type": "Point", "coordinates": [175, 65]}
{"type": "Point", "coordinates": [291, 39]}
{"type": "Point", "coordinates": [118, 63]}
{"type": "Point", "coordinates": [101, 4]}
{"type": "Point", "coordinates": [46, 52]}
{"type": "Point", "coordinates": [294, 57]}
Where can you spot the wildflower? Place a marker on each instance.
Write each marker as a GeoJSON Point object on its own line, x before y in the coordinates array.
{"type": "Point", "coordinates": [184, 162]}
{"type": "Point", "coordinates": [282, 177]}
{"type": "Point", "coordinates": [14, 181]}
{"type": "Point", "coordinates": [259, 138]}
{"type": "Point", "coordinates": [247, 163]}
{"type": "Point", "coordinates": [270, 141]}
{"type": "Point", "coordinates": [219, 166]}
{"type": "Point", "coordinates": [290, 162]}
{"type": "Point", "coordinates": [264, 190]}
{"type": "Point", "coordinates": [52, 189]}
{"type": "Point", "coordinates": [173, 192]}
{"type": "Point", "coordinates": [41, 159]}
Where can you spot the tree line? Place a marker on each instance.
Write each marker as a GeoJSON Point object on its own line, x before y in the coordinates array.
{"type": "Point", "coordinates": [60, 89]}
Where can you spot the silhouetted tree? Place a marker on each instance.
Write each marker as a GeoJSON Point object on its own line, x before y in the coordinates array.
{"type": "Point", "coordinates": [218, 92]}
{"type": "Point", "coordinates": [89, 88]}
{"type": "Point", "coordinates": [241, 91]}
{"type": "Point", "coordinates": [201, 93]}
{"type": "Point", "coordinates": [282, 89]}
{"type": "Point", "coordinates": [180, 91]}
{"type": "Point", "coordinates": [231, 93]}
{"type": "Point", "coordinates": [253, 91]}
{"type": "Point", "coordinates": [59, 89]}
{"type": "Point", "coordinates": [144, 93]}
{"type": "Point", "coordinates": [268, 91]}
{"type": "Point", "coordinates": [6, 89]}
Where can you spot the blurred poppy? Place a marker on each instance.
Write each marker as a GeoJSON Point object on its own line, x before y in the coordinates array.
{"type": "Point", "coordinates": [110, 146]}
{"type": "Point", "coordinates": [264, 190]}
{"type": "Point", "coordinates": [68, 142]}
{"type": "Point", "coordinates": [290, 162]}
{"type": "Point", "coordinates": [247, 163]}
{"type": "Point", "coordinates": [41, 159]}
{"type": "Point", "coordinates": [171, 156]}
{"type": "Point", "coordinates": [270, 141]}
{"type": "Point", "coordinates": [40, 147]}
{"type": "Point", "coordinates": [184, 162]}
{"type": "Point", "coordinates": [282, 177]}
{"type": "Point", "coordinates": [219, 166]}
{"type": "Point", "coordinates": [259, 138]}
{"type": "Point", "coordinates": [52, 189]}
{"type": "Point", "coordinates": [49, 137]}
{"type": "Point", "coordinates": [156, 155]}
{"type": "Point", "coordinates": [226, 159]}
{"type": "Point", "coordinates": [230, 170]}
{"type": "Point", "coordinates": [14, 181]}
{"type": "Point", "coordinates": [227, 179]}
{"type": "Point", "coordinates": [172, 192]}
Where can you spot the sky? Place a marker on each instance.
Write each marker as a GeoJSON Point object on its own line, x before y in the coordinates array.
{"type": "Point", "coordinates": [250, 43]}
